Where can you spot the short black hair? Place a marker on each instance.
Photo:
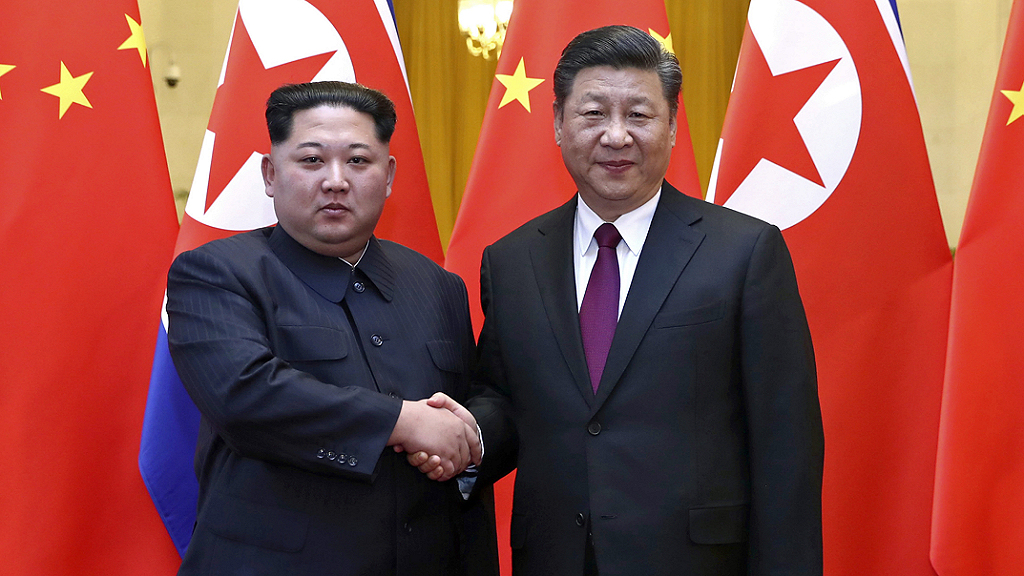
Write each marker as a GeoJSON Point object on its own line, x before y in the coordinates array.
{"type": "Point", "coordinates": [619, 47]}
{"type": "Point", "coordinates": [291, 98]}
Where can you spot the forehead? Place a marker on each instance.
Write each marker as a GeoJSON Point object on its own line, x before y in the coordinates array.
{"type": "Point", "coordinates": [604, 82]}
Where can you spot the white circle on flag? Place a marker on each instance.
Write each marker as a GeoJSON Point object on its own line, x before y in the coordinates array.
{"type": "Point", "coordinates": [792, 36]}
{"type": "Point", "coordinates": [281, 31]}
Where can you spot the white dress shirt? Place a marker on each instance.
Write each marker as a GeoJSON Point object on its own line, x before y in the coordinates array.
{"type": "Point", "coordinates": [632, 226]}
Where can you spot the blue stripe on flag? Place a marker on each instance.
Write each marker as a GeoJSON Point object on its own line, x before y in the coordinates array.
{"type": "Point", "coordinates": [168, 447]}
{"type": "Point", "coordinates": [896, 13]}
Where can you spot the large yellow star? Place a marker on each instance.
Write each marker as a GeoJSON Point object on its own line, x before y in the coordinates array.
{"type": "Point", "coordinates": [137, 40]}
{"type": "Point", "coordinates": [4, 69]}
{"type": "Point", "coordinates": [518, 86]}
{"type": "Point", "coordinates": [666, 42]}
{"type": "Point", "coordinates": [69, 89]}
{"type": "Point", "coordinates": [1017, 97]}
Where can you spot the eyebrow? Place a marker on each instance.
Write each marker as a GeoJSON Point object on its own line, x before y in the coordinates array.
{"type": "Point", "coordinates": [354, 145]}
{"type": "Point", "coordinates": [601, 98]}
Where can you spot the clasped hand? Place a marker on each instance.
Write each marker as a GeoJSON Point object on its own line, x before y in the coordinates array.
{"type": "Point", "coordinates": [438, 435]}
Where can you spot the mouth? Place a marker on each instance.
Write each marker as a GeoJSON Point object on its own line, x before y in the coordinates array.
{"type": "Point", "coordinates": [617, 166]}
{"type": "Point", "coordinates": [334, 208]}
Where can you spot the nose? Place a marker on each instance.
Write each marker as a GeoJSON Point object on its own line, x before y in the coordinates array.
{"type": "Point", "coordinates": [616, 133]}
{"type": "Point", "coordinates": [335, 179]}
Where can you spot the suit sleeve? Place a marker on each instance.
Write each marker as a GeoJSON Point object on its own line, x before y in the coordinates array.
{"type": "Point", "coordinates": [490, 400]}
{"type": "Point", "coordinates": [262, 407]}
{"type": "Point", "coordinates": [783, 416]}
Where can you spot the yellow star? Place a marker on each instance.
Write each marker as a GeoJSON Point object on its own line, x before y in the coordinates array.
{"type": "Point", "coordinates": [137, 40]}
{"type": "Point", "coordinates": [518, 86]}
{"type": "Point", "coordinates": [666, 42]}
{"type": "Point", "coordinates": [1017, 97]}
{"type": "Point", "coordinates": [4, 69]}
{"type": "Point", "coordinates": [69, 89]}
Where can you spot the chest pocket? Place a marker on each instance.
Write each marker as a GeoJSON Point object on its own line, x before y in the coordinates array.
{"type": "Point", "coordinates": [699, 315]}
{"type": "Point", "coordinates": [445, 355]}
{"type": "Point", "coordinates": [311, 343]}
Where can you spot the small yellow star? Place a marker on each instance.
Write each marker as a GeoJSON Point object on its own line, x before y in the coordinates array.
{"type": "Point", "coordinates": [69, 89]}
{"type": "Point", "coordinates": [666, 42]}
{"type": "Point", "coordinates": [1017, 97]}
{"type": "Point", "coordinates": [137, 40]}
{"type": "Point", "coordinates": [4, 69]}
{"type": "Point", "coordinates": [518, 86]}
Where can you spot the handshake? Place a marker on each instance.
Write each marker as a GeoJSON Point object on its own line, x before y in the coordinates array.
{"type": "Point", "coordinates": [438, 435]}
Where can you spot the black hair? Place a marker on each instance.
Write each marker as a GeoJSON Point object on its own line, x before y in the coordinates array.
{"type": "Point", "coordinates": [291, 98]}
{"type": "Point", "coordinates": [619, 47]}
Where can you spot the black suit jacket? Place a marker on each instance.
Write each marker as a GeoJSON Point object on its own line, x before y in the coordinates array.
{"type": "Point", "coordinates": [702, 451]}
{"type": "Point", "coordinates": [299, 366]}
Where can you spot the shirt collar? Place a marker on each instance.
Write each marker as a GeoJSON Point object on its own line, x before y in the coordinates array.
{"type": "Point", "coordinates": [632, 226]}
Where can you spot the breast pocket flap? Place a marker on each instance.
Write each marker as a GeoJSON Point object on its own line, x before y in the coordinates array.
{"type": "Point", "coordinates": [689, 317]}
{"type": "Point", "coordinates": [310, 343]}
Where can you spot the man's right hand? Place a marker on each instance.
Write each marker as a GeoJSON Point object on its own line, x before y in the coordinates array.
{"type": "Point", "coordinates": [431, 464]}
{"type": "Point", "coordinates": [433, 429]}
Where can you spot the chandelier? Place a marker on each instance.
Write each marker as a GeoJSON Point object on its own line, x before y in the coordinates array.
{"type": "Point", "coordinates": [483, 22]}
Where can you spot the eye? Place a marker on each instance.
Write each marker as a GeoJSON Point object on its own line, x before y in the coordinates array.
{"type": "Point", "coordinates": [357, 160]}
{"type": "Point", "coordinates": [310, 160]}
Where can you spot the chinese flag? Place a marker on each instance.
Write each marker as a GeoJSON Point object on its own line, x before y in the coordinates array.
{"type": "Point", "coordinates": [274, 43]}
{"type": "Point", "coordinates": [979, 487]}
{"type": "Point", "coordinates": [517, 171]}
{"type": "Point", "coordinates": [87, 229]}
{"type": "Point", "coordinates": [822, 137]}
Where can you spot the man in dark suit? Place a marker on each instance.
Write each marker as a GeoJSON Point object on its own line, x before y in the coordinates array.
{"type": "Point", "coordinates": [645, 360]}
{"type": "Point", "coordinates": [310, 348]}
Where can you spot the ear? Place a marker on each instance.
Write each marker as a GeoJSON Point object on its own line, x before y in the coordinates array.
{"type": "Point", "coordinates": [558, 124]}
{"type": "Point", "coordinates": [672, 127]}
{"type": "Point", "coordinates": [267, 167]}
{"type": "Point", "coordinates": [392, 163]}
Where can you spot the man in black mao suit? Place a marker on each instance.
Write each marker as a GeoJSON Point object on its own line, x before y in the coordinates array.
{"type": "Point", "coordinates": [309, 349]}
{"type": "Point", "coordinates": [700, 451]}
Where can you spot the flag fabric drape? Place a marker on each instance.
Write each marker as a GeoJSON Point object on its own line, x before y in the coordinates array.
{"type": "Point", "coordinates": [517, 170]}
{"type": "Point", "coordinates": [88, 228]}
{"type": "Point", "coordinates": [979, 488]}
{"type": "Point", "coordinates": [822, 137]}
{"type": "Point", "coordinates": [288, 41]}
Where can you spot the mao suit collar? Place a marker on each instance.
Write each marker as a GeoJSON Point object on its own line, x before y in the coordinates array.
{"type": "Point", "coordinates": [329, 276]}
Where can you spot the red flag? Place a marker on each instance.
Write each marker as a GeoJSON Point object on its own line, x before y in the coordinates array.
{"type": "Point", "coordinates": [273, 43]}
{"type": "Point", "coordinates": [979, 487]}
{"type": "Point", "coordinates": [517, 171]}
{"type": "Point", "coordinates": [88, 227]}
{"type": "Point", "coordinates": [822, 137]}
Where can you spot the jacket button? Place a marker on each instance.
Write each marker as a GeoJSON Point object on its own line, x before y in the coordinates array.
{"type": "Point", "coordinates": [331, 455]}
{"type": "Point", "coordinates": [376, 340]}
{"type": "Point", "coordinates": [352, 461]}
{"type": "Point", "coordinates": [321, 453]}
{"type": "Point", "coordinates": [594, 428]}
{"type": "Point", "coordinates": [580, 519]}
{"type": "Point", "coordinates": [359, 287]}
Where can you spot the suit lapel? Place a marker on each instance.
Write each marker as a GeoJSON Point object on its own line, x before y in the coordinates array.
{"type": "Point", "coordinates": [551, 255]}
{"type": "Point", "coordinates": [670, 243]}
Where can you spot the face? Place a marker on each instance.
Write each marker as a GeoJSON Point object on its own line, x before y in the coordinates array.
{"type": "Point", "coordinates": [616, 133]}
{"type": "Point", "coordinates": [329, 180]}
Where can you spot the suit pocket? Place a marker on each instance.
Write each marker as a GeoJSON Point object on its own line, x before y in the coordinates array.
{"type": "Point", "coordinates": [445, 355]}
{"type": "Point", "coordinates": [256, 524]}
{"type": "Point", "coordinates": [719, 524]}
{"type": "Point", "coordinates": [699, 315]}
{"type": "Point", "coordinates": [311, 343]}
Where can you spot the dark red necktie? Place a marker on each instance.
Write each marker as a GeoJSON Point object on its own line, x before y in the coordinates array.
{"type": "Point", "coordinates": [600, 309]}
